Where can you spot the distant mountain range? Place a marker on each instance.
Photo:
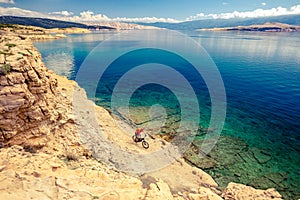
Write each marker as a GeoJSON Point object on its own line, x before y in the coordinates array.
{"type": "Point", "coordinates": [51, 23]}
{"type": "Point", "coordinates": [222, 23]}
{"type": "Point", "coordinates": [189, 25]}
{"type": "Point", "coordinates": [46, 23]}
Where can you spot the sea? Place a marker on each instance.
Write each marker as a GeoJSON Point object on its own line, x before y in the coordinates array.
{"type": "Point", "coordinates": [259, 142]}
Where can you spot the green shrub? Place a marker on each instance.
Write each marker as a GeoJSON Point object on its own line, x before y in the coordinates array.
{"type": "Point", "coordinates": [7, 26]}
{"type": "Point", "coordinates": [71, 157]}
{"type": "Point", "coordinates": [5, 69]}
{"type": "Point", "coordinates": [23, 54]}
{"type": "Point", "coordinates": [29, 51]}
{"type": "Point", "coordinates": [5, 53]}
{"type": "Point", "coordinates": [30, 148]}
{"type": "Point", "coordinates": [10, 45]}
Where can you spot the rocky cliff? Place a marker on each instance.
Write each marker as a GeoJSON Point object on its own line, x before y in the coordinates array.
{"type": "Point", "coordinates": [42, 157]}
{"type": "Point", "coordinates": [29, 109]}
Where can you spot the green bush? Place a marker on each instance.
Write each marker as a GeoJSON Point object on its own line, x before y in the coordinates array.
{"type": "Point", "coordinates": [30, 149]}
{"type": "Point", "coordinates": [5, 53]}
{"type": "Point", "coordinates": [7, 26]}
{"type": "Point", "coordinates": [10, 45]}
{"type": "Point", "coordinates": [5, 69]}
{"type": "Point", "coordinates": [71, 157]}
{"type": "Point", "coordinates": [23, 54]}
{"type": "Point", "coordinates": [29, 51]}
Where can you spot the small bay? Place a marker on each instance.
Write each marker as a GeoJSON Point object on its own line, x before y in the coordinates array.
{"type": "Point", "coordinates": [260, 141]}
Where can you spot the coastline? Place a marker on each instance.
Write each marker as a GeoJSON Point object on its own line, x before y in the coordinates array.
{"type": "Point", "coordinates": [267, 27]}
{"type": "Point", "coordinates": [58, 155]}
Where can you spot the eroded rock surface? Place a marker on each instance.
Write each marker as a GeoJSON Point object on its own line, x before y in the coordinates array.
{"type": "Point", "coordinates": [30, 105]}
{"type": "Point", "coordinates": [243, 192]}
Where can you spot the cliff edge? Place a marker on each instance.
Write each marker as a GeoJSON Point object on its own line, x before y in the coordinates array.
{"type": "Point", "coordinates": [42, 156]}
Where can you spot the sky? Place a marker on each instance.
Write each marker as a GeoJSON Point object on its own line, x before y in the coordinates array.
{"type": "Point", "coordinates": [147, 10]}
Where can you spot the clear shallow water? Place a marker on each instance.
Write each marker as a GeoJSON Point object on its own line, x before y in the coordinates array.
{"type": "Point", "coordinates": [261, 73]}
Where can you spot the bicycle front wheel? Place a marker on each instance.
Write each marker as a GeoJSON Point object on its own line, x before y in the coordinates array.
{"type": "Point", "coordinates": [145, 144]}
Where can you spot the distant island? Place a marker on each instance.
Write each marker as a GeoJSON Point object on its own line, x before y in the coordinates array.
{"type": "Point", "coordinates": [267, 27]}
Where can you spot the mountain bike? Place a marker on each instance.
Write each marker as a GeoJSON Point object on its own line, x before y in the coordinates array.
{"type": "Point", "coordinates": [145, 144]}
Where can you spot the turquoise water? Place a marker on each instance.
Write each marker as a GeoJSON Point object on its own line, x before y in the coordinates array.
{"type": "Point", "coordinates": [261, 73]}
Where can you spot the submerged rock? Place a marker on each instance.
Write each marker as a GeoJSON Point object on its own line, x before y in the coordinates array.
{"type": "Point", "coordinates": [225, 152]}
{"type": "Point", "coordinates": [274, 180]}
{"type": "Point", "coordinates": [261, 156]}
{"type": "Point", "coordinates": [204, 162]}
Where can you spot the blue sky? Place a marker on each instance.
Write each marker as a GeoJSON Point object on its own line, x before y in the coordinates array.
{"type": "Point", "coordinates": [177, 10]}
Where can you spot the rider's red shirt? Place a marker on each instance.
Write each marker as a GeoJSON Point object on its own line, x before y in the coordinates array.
{"type": "Point", "coordinates": [138, 131]}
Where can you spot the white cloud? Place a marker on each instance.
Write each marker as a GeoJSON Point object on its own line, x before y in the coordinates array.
{"type": "Point", "coordinates": [195, 17]}
{"type": "Point", "coordinates": [224, 3]}
{"type": "Point", "coordinates": [146, 19]}
{"type": "Point", "coordinates": [249, 14]}
{"type": "Point", "coordinates": [13, 11]}
{"type": "Point", "coordinates": [85, 16]}
{"type": "Point", "coordinates": [7, 1]}
{"type": "Point", "coordinates": [89, 16]}
{"type": "Point", "coordinates": [263, 4]}
{"type": "Point", "coordinates": [63, 13]}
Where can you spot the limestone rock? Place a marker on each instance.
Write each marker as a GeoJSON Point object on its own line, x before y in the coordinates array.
{"type": "Point", "coordinates": [159, 190]}
{"type": "Point", "coordinates": [210, 195]}
{"type": "Point", "coordinates": [28, 96]}
{"type": "Point", "coordinates": [204, 194]}
{"type": "Point", "coordinates": [243, 192]}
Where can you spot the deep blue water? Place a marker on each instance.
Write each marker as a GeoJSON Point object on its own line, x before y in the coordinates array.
{"type": "Point", "coordinates": [261, 74]}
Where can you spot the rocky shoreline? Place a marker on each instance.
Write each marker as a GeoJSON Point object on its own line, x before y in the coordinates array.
{"type": "Point", "coordinates": [267, 27]}
{"type": "Point", "coordinates": [232, 159]}
{"type": "Point", "coordinates": [37, 33]}
{"type": "Point", "coordinates": [43, 157]}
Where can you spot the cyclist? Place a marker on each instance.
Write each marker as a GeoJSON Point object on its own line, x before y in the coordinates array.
{"type": "Point", "coordinates": [138, 132]}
